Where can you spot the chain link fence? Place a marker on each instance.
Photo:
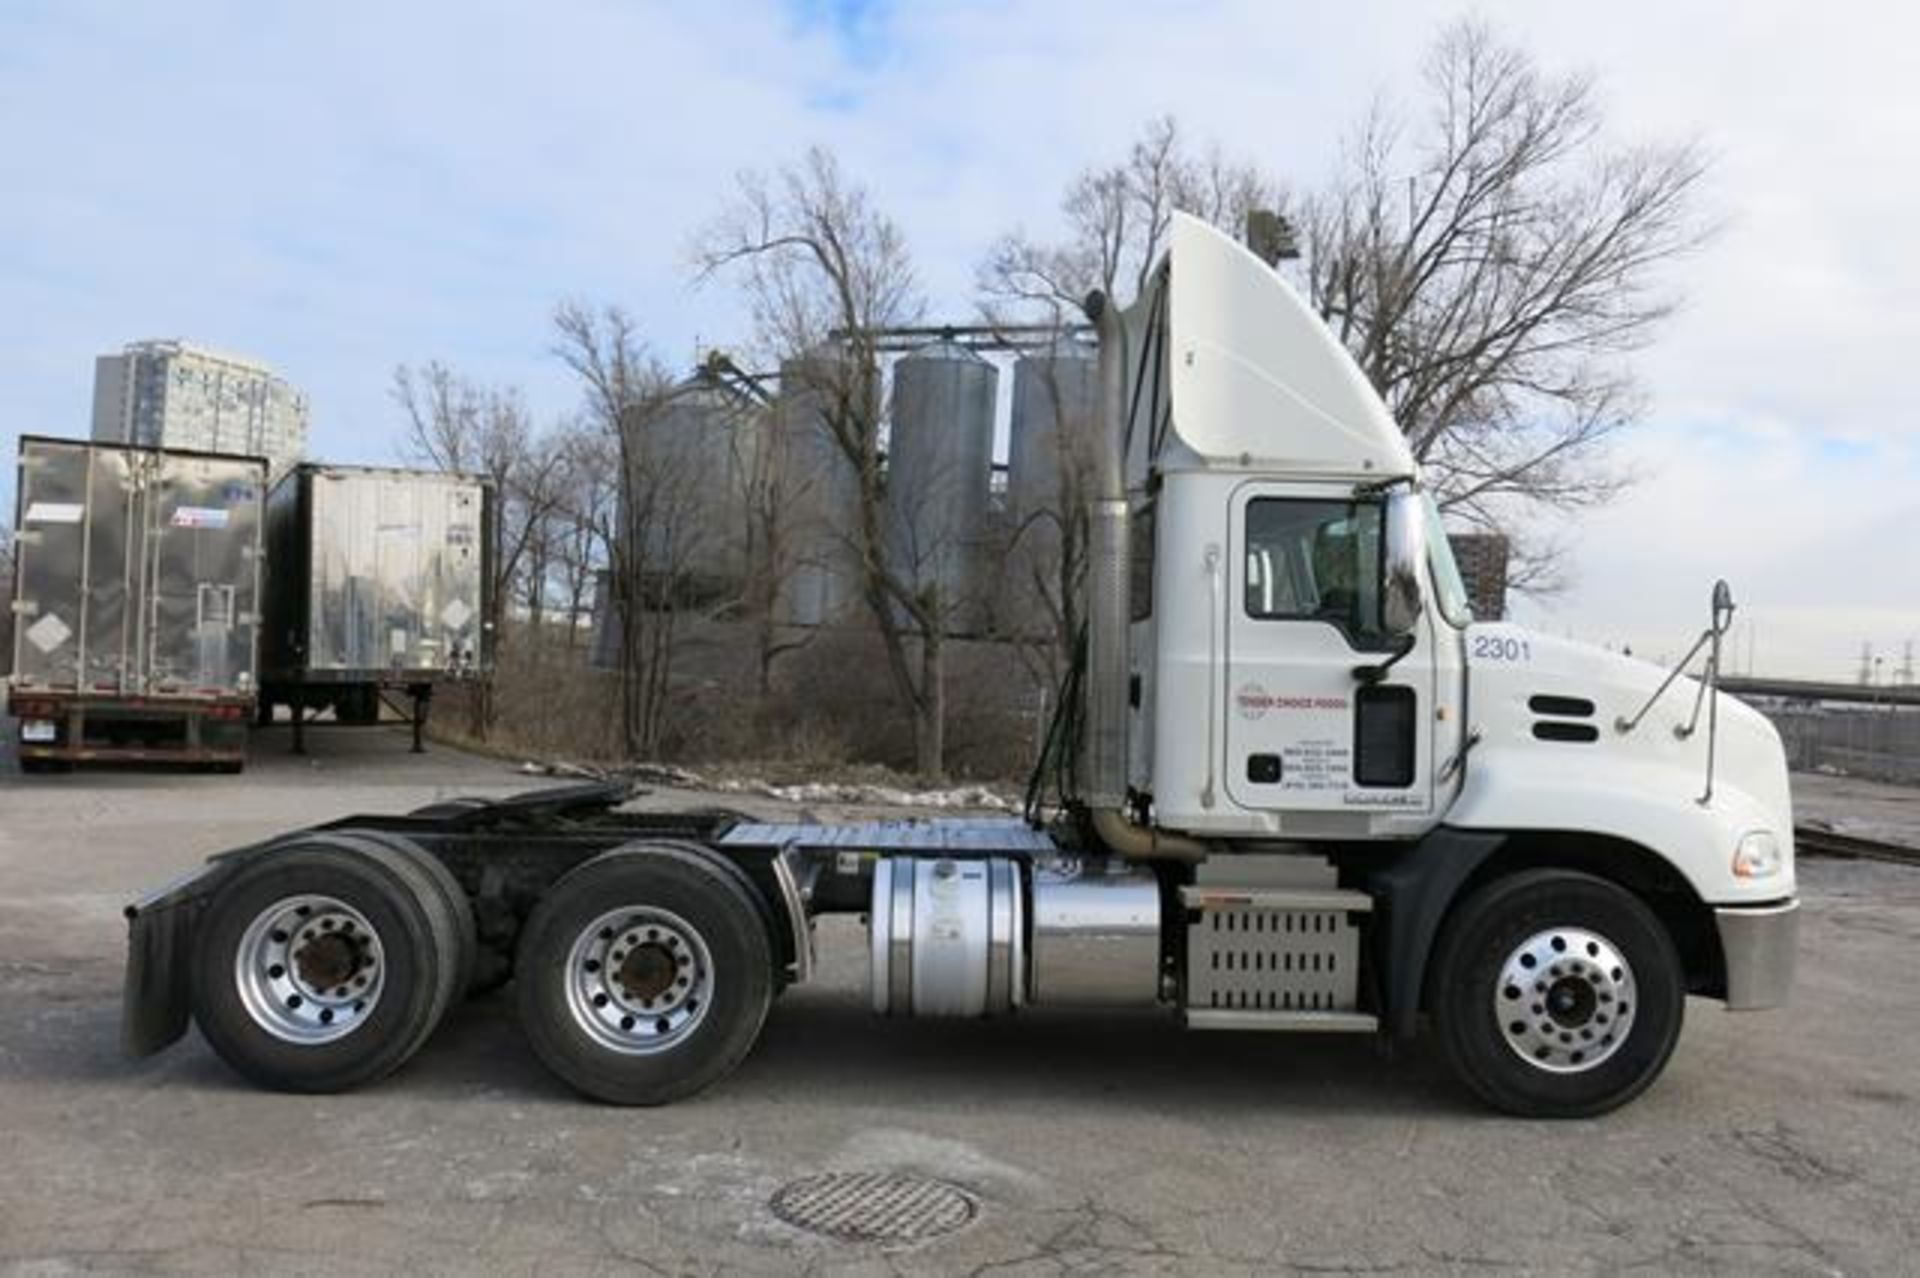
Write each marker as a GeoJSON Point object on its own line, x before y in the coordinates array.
{"type": "Point", "coordinates": [1877, 743]}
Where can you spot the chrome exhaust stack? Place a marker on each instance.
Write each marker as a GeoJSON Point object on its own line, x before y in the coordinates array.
{"type": "Point", "coordinates": [1102, 767]}
{"type": "Point", "coordinates": [1103, 762]}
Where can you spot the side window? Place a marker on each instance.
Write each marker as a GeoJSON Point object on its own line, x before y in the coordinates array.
{"type": "Point", "coordinates": [1313, 560]}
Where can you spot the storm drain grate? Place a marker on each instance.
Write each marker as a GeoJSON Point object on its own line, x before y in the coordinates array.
{"type": "Point", "coordinates": [874, 1206]}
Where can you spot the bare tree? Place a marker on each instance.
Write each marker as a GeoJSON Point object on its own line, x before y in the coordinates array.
{"type": "Point", "coordinates": [769, 494]}
{"type": "Point", "coordinates": [1490, 266]}
{"type": "Point", "coordinates": [459, 426]}
{"type": "Point", "coordinates": [589, 488]}
{"type": "Point", "coordinates": [649, 528]}
{"type": "Point", "coordinates": [824, 269]}
{"type": "Point", "coordinates": [1118, 217]}
{"type": "Point", "coordinates": [1491, 269]}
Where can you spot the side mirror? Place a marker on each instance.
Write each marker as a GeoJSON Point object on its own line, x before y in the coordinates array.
{"type": "Point", "coordinates": [1401, 598]}
{"type": "Point", "coordinates": [1722, 607]}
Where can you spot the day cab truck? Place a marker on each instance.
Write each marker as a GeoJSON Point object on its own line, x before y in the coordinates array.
{"type": "Point", "coordinates": [1292, 786]}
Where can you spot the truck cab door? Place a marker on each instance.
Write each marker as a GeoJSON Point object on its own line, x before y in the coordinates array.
{"type": "Point", "coordinates": [1304, 733]}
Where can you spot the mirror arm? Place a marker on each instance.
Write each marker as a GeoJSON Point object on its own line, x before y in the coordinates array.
{"type": "Point", "coordinates": [1372, 674]}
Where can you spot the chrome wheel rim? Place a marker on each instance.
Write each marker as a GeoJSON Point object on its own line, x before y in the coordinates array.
{"type": "Point", "coordinates": [639, 980]}
{"type": "Point", "coordinates": [310, 969]}
{"type": "Point", "coordinates": [1565, 1000]}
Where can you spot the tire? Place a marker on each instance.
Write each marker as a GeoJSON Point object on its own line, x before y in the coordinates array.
{"type": "Point", "coordinates": [1533, 978]}
{"type": "Point", "coordinates": [671, 919]}
{"type": "Point", "coordinates": [452, 896]}
{"type": "Point", "coordinates": [264, 1021]}
{"type": "Point", "coordinates": [774, 921]}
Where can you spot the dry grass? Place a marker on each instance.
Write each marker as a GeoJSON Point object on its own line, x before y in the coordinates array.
{"type": "Point", "coordinates": [831, 710]}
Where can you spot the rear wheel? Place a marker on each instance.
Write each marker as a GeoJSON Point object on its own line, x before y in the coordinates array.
{"type": "Point", "coordinates": [323, 965]}
{"type": "Point", "coordinates": [1557, 994]}
{"type": "Point", "coordinates": [452, 896]}
{"type": "Point", "coordinates": [645, 975]}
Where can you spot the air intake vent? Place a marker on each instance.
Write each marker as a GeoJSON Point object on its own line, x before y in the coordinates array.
{"type": "Point", "coordinates": [1553, 730]}
{"type": "Point", "coordinates": [1565, 707]}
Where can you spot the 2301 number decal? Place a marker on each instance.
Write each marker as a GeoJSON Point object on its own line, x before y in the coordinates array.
{"type": "Point", "coordinates": [1501, 648]}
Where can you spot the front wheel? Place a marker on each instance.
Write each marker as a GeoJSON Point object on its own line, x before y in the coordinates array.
{"type": "Point", "coordinates": [645, 974]}
{"type": "Point", "coordinates": [1556, 994]}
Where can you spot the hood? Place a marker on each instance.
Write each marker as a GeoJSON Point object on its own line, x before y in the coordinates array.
{"type": "Point", "coordinates": [1526, 688]}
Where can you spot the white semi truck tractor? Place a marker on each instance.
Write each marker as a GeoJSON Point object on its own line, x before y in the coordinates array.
{"type": "Point", "coordinates": [1293, 786]}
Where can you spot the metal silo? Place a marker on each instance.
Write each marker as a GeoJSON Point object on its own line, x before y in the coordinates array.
{"type": "Point", "coordinates": [1054, 392]}
{"type": "Point", "coordinates": [697, 457]}
{"type": "Point", "coordinates": [939, 473]}
{"type": "Point", "coordinates": [815, 491]}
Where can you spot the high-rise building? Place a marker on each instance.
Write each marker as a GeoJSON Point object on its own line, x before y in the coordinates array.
{"type": "Point", "coordinates": [1482, 559]}
{"type": "Point", "coordinates": [173, 395]}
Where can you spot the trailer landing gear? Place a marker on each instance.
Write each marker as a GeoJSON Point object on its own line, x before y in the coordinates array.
{"type": "Point", "coordinates": [357, 706]}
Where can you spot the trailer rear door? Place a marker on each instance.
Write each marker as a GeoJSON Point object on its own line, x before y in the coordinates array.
{"type": "Point", "coordinates": [50, 598]}
{"type": "Point", "coordinates": [203, 565]}
{"type": "Point", "coordinates": [138, 570]}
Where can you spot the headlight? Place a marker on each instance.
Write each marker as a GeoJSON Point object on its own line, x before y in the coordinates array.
{"type": "Point", "coordinates": [1757, 857]}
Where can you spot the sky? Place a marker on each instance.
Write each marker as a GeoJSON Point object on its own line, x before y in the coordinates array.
{"type": "Point", "coordinates": [338, 189]}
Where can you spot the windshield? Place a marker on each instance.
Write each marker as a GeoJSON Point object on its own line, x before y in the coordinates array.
{"type": "Point", "coordinates": [1452, 591]}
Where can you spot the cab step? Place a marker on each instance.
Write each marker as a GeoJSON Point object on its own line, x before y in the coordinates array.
{"type": "Point", "coordinates": [1318, 1022]}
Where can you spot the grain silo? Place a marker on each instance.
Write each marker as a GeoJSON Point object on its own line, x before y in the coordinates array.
{"type": "Point", "coordinates": [939, 473]}
{"type": "Point", "coordinates": [697, 458]}
{"type": "Point", "coordinates": [814, 489]}
{"type": "Point", "coordinates": [1054, 393]}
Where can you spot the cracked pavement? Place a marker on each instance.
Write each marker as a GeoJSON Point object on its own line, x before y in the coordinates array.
{"type": "Point", "coordinates": [1782, 1142]}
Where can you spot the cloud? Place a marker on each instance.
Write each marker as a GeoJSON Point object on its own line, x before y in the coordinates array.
{"type": "Point", "coordinates": [341, 188]}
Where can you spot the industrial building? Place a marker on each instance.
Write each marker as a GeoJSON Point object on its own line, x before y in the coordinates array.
{"type": "Point", "coordinates": [170, 394]}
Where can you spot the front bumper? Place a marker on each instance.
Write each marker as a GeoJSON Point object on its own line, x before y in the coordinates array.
{"type": "Point", "coordinates": [1761, 945]}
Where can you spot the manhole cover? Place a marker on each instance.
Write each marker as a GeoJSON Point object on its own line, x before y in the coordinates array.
{"type": "Point", "coordinates": [874, 1207]}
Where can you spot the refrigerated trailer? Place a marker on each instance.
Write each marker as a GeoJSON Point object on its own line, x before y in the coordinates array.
{"type": "Point", "coordinates": [135, 596]}
{"type": "Point", "coordinates": [380, 587]}
{"type": "Point", "coordinates": [1291, 785]}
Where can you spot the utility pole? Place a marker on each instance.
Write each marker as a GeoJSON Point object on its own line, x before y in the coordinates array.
{"type": "Point", "coordinates": [1866, 663]}
{"type": "Point", "coordinates": [1879, 727]}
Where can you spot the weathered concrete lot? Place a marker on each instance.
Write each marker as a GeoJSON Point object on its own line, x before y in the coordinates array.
{"type": "Point", "coordinates": [1783, 1142]}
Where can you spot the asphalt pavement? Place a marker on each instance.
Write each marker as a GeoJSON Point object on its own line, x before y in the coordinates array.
{"type": "Point", "coordinates": [1776, 1142]}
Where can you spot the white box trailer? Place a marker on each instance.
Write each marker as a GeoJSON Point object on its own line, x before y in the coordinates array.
{"type": "Point", "coordinates": [379, 583]}
{"type": "Point", "coordinates": [135, 600]}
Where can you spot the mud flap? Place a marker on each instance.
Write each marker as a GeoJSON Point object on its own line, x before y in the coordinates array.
{"type": "Point", "coordinates": [153, 1008]}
